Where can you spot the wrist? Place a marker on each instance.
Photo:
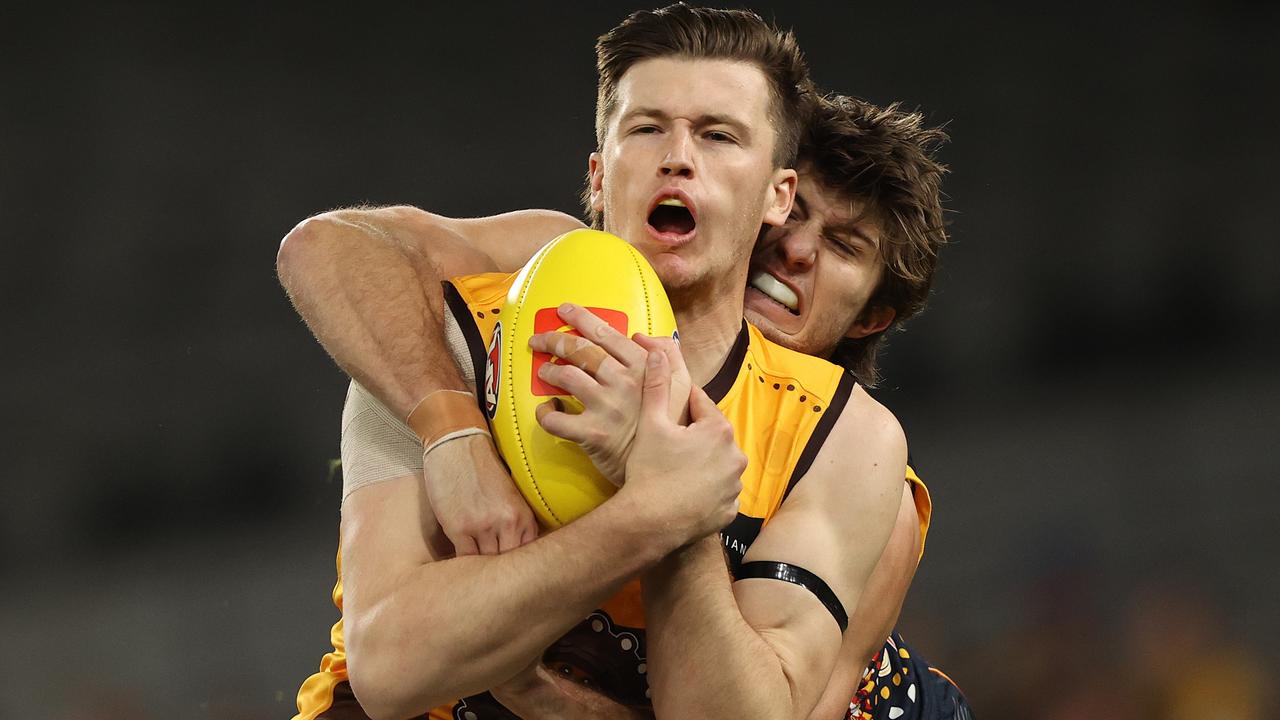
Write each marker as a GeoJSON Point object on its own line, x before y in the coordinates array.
{"type": "Point", "coordinates": [696, 556]}
{"type": "Point", "coordinates": [655, 530]}
{"type": "Point", "coordinates": [444, 415]}
{"type": "Point", "coordinates": [468, 455]}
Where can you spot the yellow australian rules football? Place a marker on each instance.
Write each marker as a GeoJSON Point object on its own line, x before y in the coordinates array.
{"type": "Point", "coordinates": [611, 279]}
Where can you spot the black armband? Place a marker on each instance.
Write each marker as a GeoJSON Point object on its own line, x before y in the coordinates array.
{"type": "Point", "coordinates": [797, 575]}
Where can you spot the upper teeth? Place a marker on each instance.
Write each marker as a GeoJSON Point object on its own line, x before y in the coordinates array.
{"type": "Point", "coordinates": [675, 202]}
{"type": "Point", "coordinates": [769, 285]}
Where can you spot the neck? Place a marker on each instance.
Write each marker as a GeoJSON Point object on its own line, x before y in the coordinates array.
{"type": "Point", "coordinates": [709, 324]}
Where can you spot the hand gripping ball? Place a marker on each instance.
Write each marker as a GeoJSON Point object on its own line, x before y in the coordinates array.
{"type": "Point", "coordinates": [610, 278]}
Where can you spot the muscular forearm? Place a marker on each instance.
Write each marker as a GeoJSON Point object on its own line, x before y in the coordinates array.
{"type": "Point", "coordinates": [458, 626]}
{"type": "Point", "coordinates": [705, 661]}
{"type": "Point", "coordinates": [373, 299]}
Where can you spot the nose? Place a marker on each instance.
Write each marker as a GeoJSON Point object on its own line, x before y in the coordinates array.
{"type": "Point", "coordinates": [678, 161]}
{"type": "Point", "coordinates": [798, 247]}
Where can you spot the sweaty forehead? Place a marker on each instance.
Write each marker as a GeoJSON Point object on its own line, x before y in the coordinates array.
{"type": "Point", "coordinates": [696, 89]}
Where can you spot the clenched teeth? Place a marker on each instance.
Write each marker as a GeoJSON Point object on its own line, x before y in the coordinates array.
{"type": "Point", "coordinates": [775, 290]}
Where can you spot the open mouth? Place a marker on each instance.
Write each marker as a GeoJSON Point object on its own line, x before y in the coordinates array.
{"type": "Point", "coordinates": [671, 217]}
{"type": "Point", "coordinates": [776, 290]}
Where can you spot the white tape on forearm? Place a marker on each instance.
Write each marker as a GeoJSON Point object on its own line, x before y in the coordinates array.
{"type": "Point", "coordinates": [456, 434]}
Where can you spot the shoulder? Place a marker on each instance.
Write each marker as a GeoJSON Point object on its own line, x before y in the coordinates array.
{"type": "Point", "coordinates": [864, 417]}
{"type": "Point", "coordinates": [868, 436]}
{"type": "Point", "coordinates": [862, 462]}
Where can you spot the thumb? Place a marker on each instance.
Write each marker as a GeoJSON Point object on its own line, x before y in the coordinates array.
{"type": "Point", "coordinates": [657, 386]}
{"type": "Point", "coordinates": [700, 406]}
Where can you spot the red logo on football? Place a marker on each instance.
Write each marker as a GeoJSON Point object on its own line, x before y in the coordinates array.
{"type": "Point", "coordinates": [546, 320]}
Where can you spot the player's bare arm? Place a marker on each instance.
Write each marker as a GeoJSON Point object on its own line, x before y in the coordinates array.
{"type": "Point", "coordinates": [535, 692]}
{"type": "Point", "coordinates": [893, 554]}
{"type": "Point", "coordinates": [367, 283]}
{"type": "Point", "coordinates": [877, 611]}
{"type": "Point", "coordinates": [766, 648]}
{"type": "Point", "coordinates": [886, 588]}
{"type": "Point", "coordinates": [411, 615]}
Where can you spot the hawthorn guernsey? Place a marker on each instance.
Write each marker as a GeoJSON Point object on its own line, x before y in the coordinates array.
{"type": "Point", "coordinates": [611, 279]}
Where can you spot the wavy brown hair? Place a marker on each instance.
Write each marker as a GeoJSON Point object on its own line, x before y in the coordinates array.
{"type": "Point", "coordinates": [886, 158]}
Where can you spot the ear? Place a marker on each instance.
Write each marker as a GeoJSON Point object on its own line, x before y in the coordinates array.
{"type": "Point", "coordinates": [873, 319]}
{"type": "Point", "coordinates": [595, 175]}
{"type": "Point", "coordinates": [782, 192]}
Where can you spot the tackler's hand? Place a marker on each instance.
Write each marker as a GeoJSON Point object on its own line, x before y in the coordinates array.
{"type": "Point", "coordinates": [473, 498]}
{"type": "Point", "coordinates": [604, 370]}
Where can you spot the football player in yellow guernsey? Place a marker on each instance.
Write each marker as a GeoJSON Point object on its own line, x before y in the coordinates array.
{"type": "Point", "coordinates": [852, 151]}
{"type": "Point", "coordinates": [846, 155]}
{"type": "Point", "coordinates": [423, 625]}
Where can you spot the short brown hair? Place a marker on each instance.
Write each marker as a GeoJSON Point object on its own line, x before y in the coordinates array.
{"type": "Point", "coordinates": [885, 158]}
{"type": "Point", "coordinates": [714, 34]}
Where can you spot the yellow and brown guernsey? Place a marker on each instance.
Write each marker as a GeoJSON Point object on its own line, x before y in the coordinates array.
{"type": "Point", "coordinates": [782, 405]}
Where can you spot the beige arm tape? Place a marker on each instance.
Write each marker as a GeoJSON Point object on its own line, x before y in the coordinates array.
{"type": "Point", "coordinates": [446, 415]}
{"type": "Point", "coordinates": [376, 444]}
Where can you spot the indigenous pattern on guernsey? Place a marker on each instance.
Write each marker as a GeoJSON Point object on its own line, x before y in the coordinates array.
{"type": "Point", "coordinates": [782, 404]}
{"type": "Point", "coordinates": [899, 684]}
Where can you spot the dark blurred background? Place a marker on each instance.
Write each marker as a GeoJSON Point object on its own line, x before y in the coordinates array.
{"type": "Point", "coordinates": [1092, 396]}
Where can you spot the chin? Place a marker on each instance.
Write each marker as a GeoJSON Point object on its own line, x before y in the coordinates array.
{"type": "Point", "coordinates": [771, 332]}
{"type": "Point", "coordinates": [675, 272]}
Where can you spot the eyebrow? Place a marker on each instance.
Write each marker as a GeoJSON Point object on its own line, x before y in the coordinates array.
{"type": "Point", "coordinates": [852, 228]}
{"type": "Point", "coordinates": [701, 120]}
